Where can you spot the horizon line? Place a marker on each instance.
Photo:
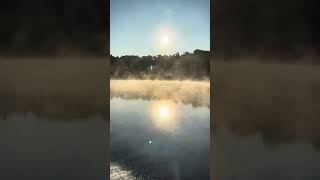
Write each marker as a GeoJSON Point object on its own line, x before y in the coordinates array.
{"type": "Point", "coordinates": [159, 54]}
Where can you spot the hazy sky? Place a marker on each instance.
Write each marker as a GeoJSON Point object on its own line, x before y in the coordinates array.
{"type": "Point", "coordinates": [137, 26]}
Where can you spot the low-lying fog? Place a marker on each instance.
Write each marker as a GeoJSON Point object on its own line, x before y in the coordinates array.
{"type": "Point", "coordinates": [53, 119]}
{"type": "Point", "coordinates": [280, 101]}
{"type": "Point", "coordinates": [53, 86]}
{"type": "Point", "coordinates": [196, 93]}
{"type": "Point", "coordinates": [265, 121]}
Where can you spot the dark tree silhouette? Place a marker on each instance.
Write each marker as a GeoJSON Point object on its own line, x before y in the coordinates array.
{"type": "Point", "coordinates": [53, 27]}
{"type": "Point", "coordinates": [194, 65]}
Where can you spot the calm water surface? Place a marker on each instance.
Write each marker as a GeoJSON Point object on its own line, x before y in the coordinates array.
{"type": "Point", "coordinates": [35, 148]}
{"type": "Point", "coordinates": [153, 139]}
{"type": "Point", "coordinates": [250, 157]}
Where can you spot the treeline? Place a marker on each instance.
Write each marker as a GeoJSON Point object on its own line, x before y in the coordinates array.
{"type": "Point", "coordinates": [194, 65]}
{"type": "Point", "coordinates": [53, 27]}
{"type": "Point", "coordinates": [286, 30]}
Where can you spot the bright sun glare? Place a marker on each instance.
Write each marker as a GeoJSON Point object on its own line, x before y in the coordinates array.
{"type": "Point", "coordinates": [164, 115]}
{"type": "Point", "coordinates": [165, 39]}
{"type": "Point", "coordinates": [163, 111]}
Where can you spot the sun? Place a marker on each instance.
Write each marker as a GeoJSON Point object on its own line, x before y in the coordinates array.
{"type": "Point", "coordinates": [165, 39]}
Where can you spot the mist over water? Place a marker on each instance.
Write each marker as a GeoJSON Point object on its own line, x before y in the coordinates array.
{"type": "Point", "coordinates": [274, 96]}
{"type": "Point", "coordinates": [53, 118]}
{"type": "Point", "coordinates": [265, 121]}
{"type": "Point", "coordinates": [53, 86]}
{"type": "Point", "coordinates": [155, 127]}
{"type": "Point", "coordinates": [196, 93]}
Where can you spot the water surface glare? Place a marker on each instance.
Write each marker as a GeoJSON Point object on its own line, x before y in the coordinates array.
{"type": "Point", "coordinates": [160, 139]}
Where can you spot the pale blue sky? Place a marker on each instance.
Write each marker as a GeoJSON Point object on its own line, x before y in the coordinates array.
{"type": "Point", "coordinates": [136, 26]}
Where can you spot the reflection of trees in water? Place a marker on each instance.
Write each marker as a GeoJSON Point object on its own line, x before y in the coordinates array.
{"type": "Point", "coordinates": [280, 102]}
{"type": "Point", "coordinates": [63, 108]}
{"type": "Point", "coordinates": [65, 117]}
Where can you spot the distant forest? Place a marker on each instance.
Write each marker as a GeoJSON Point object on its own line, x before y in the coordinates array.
{"type": "Point", "coordinates": [53, 27]}
{"type": "Point", "coordinates": [194, 65]}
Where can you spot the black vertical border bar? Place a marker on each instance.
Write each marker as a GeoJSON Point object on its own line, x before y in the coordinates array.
{"type": "Point", "coordinates": [108, 153]}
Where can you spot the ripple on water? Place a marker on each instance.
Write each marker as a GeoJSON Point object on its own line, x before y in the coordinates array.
{"type": "Point", "coordinates": [119, 173]}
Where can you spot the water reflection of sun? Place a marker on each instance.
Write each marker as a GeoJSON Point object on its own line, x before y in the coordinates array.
{"type": "Point", "coordinates": [163, 112]}
{"type": "Point", "coordinates": [164, 115]}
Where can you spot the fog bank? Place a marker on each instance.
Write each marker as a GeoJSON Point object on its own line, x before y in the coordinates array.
{"type": "Point", "coordinates": [54, 87]}
{"type": "Point", "coordinates": [196, 93]}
